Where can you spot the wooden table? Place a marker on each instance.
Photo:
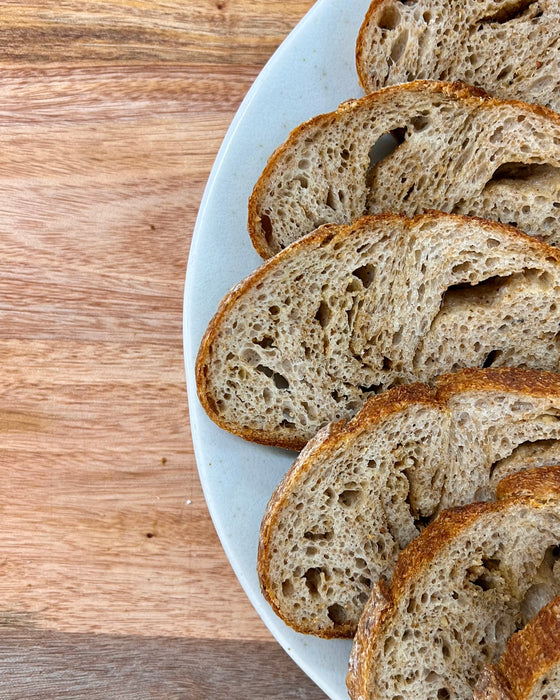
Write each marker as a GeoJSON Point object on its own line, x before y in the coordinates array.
{"type": "Point", "coordinates": [113, 582]}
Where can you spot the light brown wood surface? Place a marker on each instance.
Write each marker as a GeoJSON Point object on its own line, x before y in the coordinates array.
{"type": "Point", "coordinates": [113, 582]}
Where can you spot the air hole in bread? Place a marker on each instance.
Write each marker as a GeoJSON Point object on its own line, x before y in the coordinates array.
{"type": "Point", "coordinates": [389, 17]}
{"type": "Point", "coordinates": [337, 614]}
{"type": "Point", "coordinates": [503, 73]}
{"type": "Point", "coordinates": [486, 575]}
{"type": "Point", "coordinates": [265, 342]}
{"type": "Point", "coordinates": [365, 273]}
{"type": "Point", "coordinates": [510, 12]}
{"type": "Point", "coordinates": [313, 580]}
{"type": "Point", "coordinates": [491, 358]}
{"type": "Point", "coordinates": [324, 314]}
{"type": "Point", "coordinates": [420, 122]}
{"type": "Point", "coordinates": [280, 382]}
{"type": "Point", "coordinates": [372, 389]}
{"type": "Point", "coordinates": [287, 588]}
{"type": "Point", "coordinates": [408, 193]}
{"type": "Point", "coordinates": [266, 226]}
{"type": "Point", "coordinates": [318, 536]}
{"type": "Point", "coordinates": [399, 46]}
{"type": "Point", "coordinates": [545, 584]}
{"type": "Point", "coordinates": [331, 200]}
{"type": "Point", "coordinates": [521, 171]}
{"type": "Point", "coordinates": [349, 497]}
{"type": "Point", "coordinates": [338, 396]}
{"type": "Point", "coordinates": [287, 424]}
{"type": "Point", "coordinates": [383, 148]}
{"type": "Point", "coordinates": [485, 292]}
{"type": "Point", "coordinates": [303, 181]}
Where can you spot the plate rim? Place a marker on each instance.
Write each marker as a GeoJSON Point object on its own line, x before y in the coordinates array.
{"type": "Point", "coordinates": [261, 607]}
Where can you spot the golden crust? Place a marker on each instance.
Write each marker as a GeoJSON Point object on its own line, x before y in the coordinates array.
{"type": "Point", "coordinates": [533, 652]}
{"type": "Point", "coordinates": [376, 611]}
{"type": "Point", "coordinates": [529, 655]}
{"type": "Point", "coordinates": [360, 42]}
{"type": "Point", "coordinates": [533, 382]}
{"type": "Point", "coordinates": [421, 552]}
{"type": "Point", "coordinates": [456, 90]}
{"type": "Point", "coordinates": [537, 483]}
{"type": "Point", "coordinates": [310, 241]}
{"type": "Point", "coordinates": [377, 409]}
{"type": "Point", "coordinates": [492, 685]}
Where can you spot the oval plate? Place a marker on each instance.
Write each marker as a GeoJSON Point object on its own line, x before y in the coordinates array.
{"type": "Point", "coordinates": [312, 72]}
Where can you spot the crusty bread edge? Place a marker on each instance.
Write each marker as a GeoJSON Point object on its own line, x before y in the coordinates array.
{"type": "Point", "coordinates": [375, 411]}
{"type": "Point", "coordinates": [534, 382]}
{"type": "Point", "coordinates": [529, 654]}
{"type": "Point", "coordinates": [418, 556]}
{"type": "Point", "coordinates": [363, 78]}
{"type": "Point", "coordinates": [457, 90]}
{"type": "Point", "coordinates": [533, 651]}
{"type": "Point", "coordinates": [315, 239]}
{"type": "Point", "coordinates": [329, 438]}
{"type": "Point", "coordinates": [491, 685]}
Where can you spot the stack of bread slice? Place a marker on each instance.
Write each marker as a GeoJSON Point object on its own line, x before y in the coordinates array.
{"type": "Point", "coordinates": [404, 333]}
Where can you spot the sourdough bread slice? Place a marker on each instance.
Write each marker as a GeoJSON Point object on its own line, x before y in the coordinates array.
{"type": "Point", "coordinates": [509, 48]}
{"type": "Point", "coordinates": [351, 311]}
{"type": "Point", "coordinates": [458, 592]}
{"type": "Point", "coordinates": [530, 666]}
{"type": "Point", "coordinates": [455, 149]}
{"type": "Point", "coordinates": [360, 492]}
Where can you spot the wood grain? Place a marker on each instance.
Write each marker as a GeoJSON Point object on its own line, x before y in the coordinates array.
{"type": "Point", "coordinates": [113, 582]}
{"type": "Point", "coordinates": [207, 31]}
{"type": "Point", "coordinates": [77, 665]}
{"type": "Point", "coordinates": [92, 265]}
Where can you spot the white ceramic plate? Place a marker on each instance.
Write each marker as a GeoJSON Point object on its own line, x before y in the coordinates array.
{"type": "Point", "coordinates": [312, 72]}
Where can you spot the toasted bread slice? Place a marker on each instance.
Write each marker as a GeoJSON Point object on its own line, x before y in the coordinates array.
{"type": "Point", "coordinates": [509, 48]}
{"type": "Point", "coordinates": [530, 666]}
{"type": "Point", "coordinates": [360, 492]}
{"type": "Point", "coordinates": [458, 592]}
{"type": "Point", "coordinates": [455, 149]}
{"type": "Point", "coordinates": [351, 311]}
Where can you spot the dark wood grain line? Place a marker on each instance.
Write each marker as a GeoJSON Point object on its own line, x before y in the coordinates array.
{"type": "Point", "coordinates": [45, 665]}
{"type": "Point", "coordinates": [212, 31]}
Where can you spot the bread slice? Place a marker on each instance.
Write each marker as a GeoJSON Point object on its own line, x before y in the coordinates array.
{"type": "Point", "coordinates": [511, 48]}
{"type": "Point", "coordinates": [458, 592]}
{"type": "Point", "coordinates": [455, 149]}
{"type": "Point", "coordinates": [530, 666]}
{"type": "Point", "coordinates": [351, 311]}
{"type": "Point", "coordinates": [360, 492]}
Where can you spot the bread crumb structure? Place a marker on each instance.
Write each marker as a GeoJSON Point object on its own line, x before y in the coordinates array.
{"type": "Point", "coordinates": [511, 49]}
{"type": "Point", "coordinates": [444, 146]}
{"type": "Point", "coordinates": [351, 311]}
{"type": "Point", "coordinates": [458, 592]}
{"type": "Point", "coordinates": [530, 666]}
{"type": "Point", "coordinates": [360, 492]}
